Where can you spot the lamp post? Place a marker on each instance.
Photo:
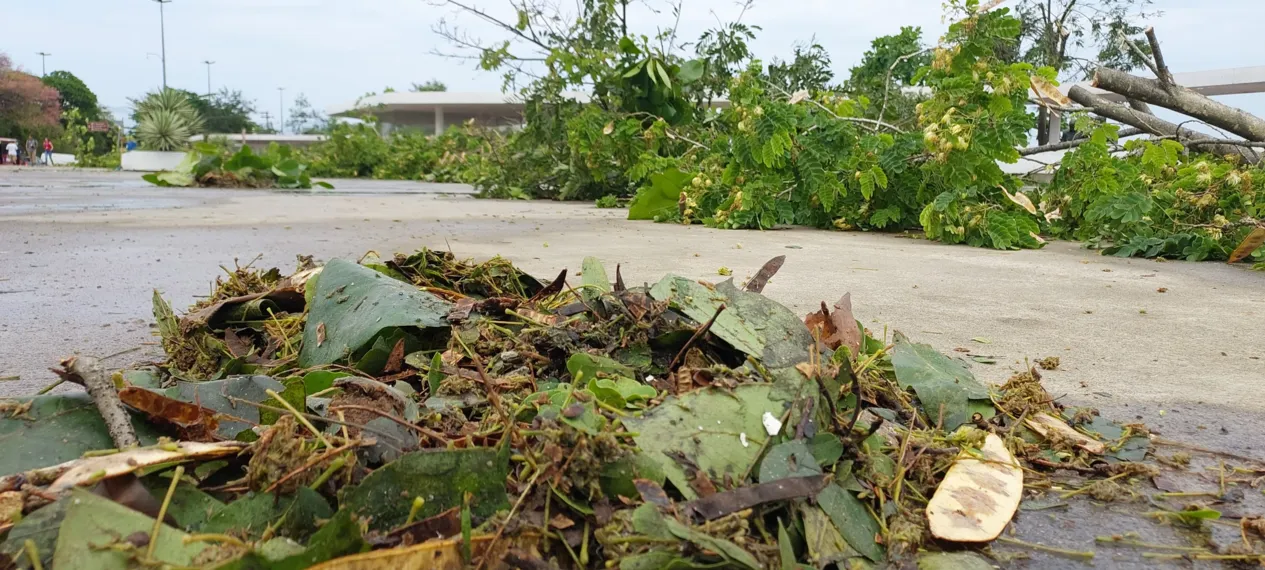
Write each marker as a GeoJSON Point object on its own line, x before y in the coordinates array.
{"type": "Point", "coordinates": [208, 63]}
{"type": "Point", "coordinates": [162, 27]}
{"type": "Point", "coordinates": [281, 119]}
{"type": "Point", "coordinates": [43, 66]}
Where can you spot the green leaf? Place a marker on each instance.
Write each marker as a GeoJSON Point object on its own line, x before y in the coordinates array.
{"type": "Point", "coordinates": [92, 521]}
{"type": "Point", "coordinates": [1000, 104]}
{"type": "Point", "coordinates": [435, 375]}
{"type": "Point", "coordinates": [40, 527]}
{"type": "Point", "coordinates": [785, 549]}
{"type": "Point", "coordinates": [852, 520]}
{"type": "Point", "coordinates": [880, 177]}
{"type": "Point", "coordinates": [751, 322]}
{"type": "Point", "coordinates": [867, 184]}
{"type": "Point", "coordinates": [321, 380]}
{"type": "Point", "coordinates": [294, 516]}
{"type": "Point", "coordinates": [659, 197]}
{"type": "Point", "coordinates": [55, 429]}
{"type": "Point", "coordinates": [294, 394]}
{"type": "Point", "coordinates": [940, 383]}
{"type": "Point", "coordinates": [825, 545]}
{"type": "Point", "coordinates": [691, 71]}
{"type": "Point", "coordinates": [826, 448]}
{"type": "Point", "coordinates": [952, 561]}
{"type": "Point", "coordinates": [353, 304]}
{"type": "Point", "coordinates": [706, 426]}
{"type": "Point", "coordinates": [790, 459]}
{"type": "Point", "coordinates": [584, 366]}
{"type": "Point", "coordinates": [594, 279]}
{"type": "Point", "coordinates": [440, 477]}
{"type": "Point", "coordinates": [647, 520]}
{"type": "Point", "coordinates": [189, 506]}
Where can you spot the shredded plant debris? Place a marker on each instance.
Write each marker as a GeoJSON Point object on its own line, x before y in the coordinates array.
{"type": "Point", "coordinates": [426, 412]}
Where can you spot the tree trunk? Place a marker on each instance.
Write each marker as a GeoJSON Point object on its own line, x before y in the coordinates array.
{"type": "Point", "coordinates": [1043, 126]}
{"type": "Point", "coordinates": [1155, 125]}
{"type": "Point", "coordinates": [1183, 101]}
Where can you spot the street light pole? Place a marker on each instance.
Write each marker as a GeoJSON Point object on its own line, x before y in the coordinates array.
{"type": "Point", "coordinates": [208, 63]}
{"type": "Point", "coordinates": [162, 27]}
{"type": "Point", "coordinates": [43, 65]}
{"type": "Point", "coordinates": [281, 120]}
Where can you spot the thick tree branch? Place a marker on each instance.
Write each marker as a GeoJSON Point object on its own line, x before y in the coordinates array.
{"type": "Point", "coordinates": [1155, 125]}
{"type": "Point", "coordinates": [1182, 100]}
{"type": "Point", "coordinates": [1161, 70]}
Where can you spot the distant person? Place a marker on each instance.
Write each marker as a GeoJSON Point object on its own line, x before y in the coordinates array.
{"type": "Point", "coordinates": [48, 152]}
{"type": "Point", "coordinates": [31, 145]}
{"type": "Point", "coordinates": [4, 153]}
{"type": "Point", "coordinates": [12, 147]}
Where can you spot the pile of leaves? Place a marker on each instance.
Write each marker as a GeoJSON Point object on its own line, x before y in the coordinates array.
{"type": "Point", "coordinates": [215, 165]}
{"type": "Point", "coordinates": [425, 412]}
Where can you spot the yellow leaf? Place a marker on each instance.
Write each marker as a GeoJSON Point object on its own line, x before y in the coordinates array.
{"type": "Point", "coordinates": [1045, 424]}
{"type": "Point", "coordinates": [1250, 243]}
{"type": "Point", "coordinates": [92, 469]}
{"type": "Point", "coordinates": [1022, 200]}
{"type": "Point", "coordinates": [799, 96]}
{"type": "Point", "coordinates": [610, 128]}
{"type": "Point", "coordinates": [430, 555]}
{"type": "Point", "coordinates": [977, 498]}
{"type": "Point", "coordinates": [1047, 94]}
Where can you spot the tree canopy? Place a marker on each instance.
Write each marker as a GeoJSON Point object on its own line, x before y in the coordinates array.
{"type": "Point", "coordinates": [431, 85]}
{"type": "Point", "coordinates": [28, 107]}
{"type": "Point", "coordinates": [74, 94]}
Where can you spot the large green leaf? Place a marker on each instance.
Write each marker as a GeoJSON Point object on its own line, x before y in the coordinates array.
{"type": "Point", "coordinates": [647, 520]}
{"type": "Point", "coordinates": [660, 197]}
{"type": "Point", "coordinates": [92, 522]}
{"type": "Point", "coordinates": [55, 429]}
{"type": "Point", "coordinates": [751, 322]}
{"type": "Point", "coordinates": [440, 477]}
{"type": "Point", "coordinates": [39, 527]}
{"type": "Point", "coordinates": [594, 278]}
{"type": "Point", "coordinates": [943, 385]}
{"type": "Point", "coordinates": [691, 71]}
{"type": "Point", "coordinates": [790, 459]}
{"type": "Point", "coordinates": [353, 304]}
{"type": "Point", "coordinates": [707, 426]}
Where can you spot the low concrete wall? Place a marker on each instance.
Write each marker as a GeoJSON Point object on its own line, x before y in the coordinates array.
{"type": "Point", "coordinates": [151, 160]}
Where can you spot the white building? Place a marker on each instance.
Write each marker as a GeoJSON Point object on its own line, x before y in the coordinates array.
{"type": "Point", "coordinates": [433, 111]}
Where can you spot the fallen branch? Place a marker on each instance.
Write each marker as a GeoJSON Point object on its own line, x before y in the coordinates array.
{"type": "Point", "coordinates": [1182, 100]}
{"type": "Point", "coordinates": [743, 498]}
{"type": "Point", "coordinates": [1155, 125]}
{"type": "Point", "coordinates": [87, 371]}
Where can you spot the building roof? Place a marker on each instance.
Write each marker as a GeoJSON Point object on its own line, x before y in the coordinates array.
{"type": "Point", "coordinates": [429, 100]}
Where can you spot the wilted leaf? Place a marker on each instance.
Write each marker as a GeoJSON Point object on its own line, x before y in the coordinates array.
{"type": "Point", "coordinates": [766, 272]}
{"type": "Point", "coordinates": [355, 304]}
{"type": "Point", "coordinates": [1022, 200]}
{"type": "Point", "coordinates": [1045, 425]}
{"type": "Point", "coordinates": [1048, 94]}
{"type": "Point", "coordinates": [189, 422]}
{"type": "Point", "coordinates": [649, 521]}
{"type": "Point", "coordinates": [1249, 244]}
{"type": "Point", "coordinates": [825, 545]}
{"type": "Point", "coordinates": [92, 469]}
{"type": "Point", "coordinates": [942, 385]}
{"type": "Point", "coordinates": [705, 425]}
{"type": "Point", "coordinates": [751, 323]}
{"type": "Point", "coordinates": [235, 417]}
{"type": "Point", "coordinates": [838, 327]}
{"type": "Point", "coordinates": [798, 96]}
{"type": "Point", "coordinates": [294, 516]}
{"type": "Point", "coordinates": [978, 496]}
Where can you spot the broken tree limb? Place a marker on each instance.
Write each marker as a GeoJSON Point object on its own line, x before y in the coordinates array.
{"type": "Point", "coordinates": [1131, 131]}
{"type": "Point", "coordinates": [1156, 125]}
{"type": "Point", "coordinates": [1161, 69]}
{"type": "Point", "coordinates": [1182, 100]}
{"type": "Point", "coordinates": [88, 372]}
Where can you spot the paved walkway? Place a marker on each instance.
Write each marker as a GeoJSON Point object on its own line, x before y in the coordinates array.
{"type": "Point", "coordinates": [81, 251]}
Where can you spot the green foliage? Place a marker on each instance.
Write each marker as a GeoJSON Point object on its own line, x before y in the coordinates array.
{"type": "Point", "coordinates": [87, 151]}
{"type": "Point", "coordinates": [431, 85]}
{"type": "Point", "coordinates": [1156, 200]}
{"type": "Point", "coordinates": [209, 164]}
{"type": "Point", "coordinates": [74, 94]}
{"type": "Point", "coordinates": [461, 154]}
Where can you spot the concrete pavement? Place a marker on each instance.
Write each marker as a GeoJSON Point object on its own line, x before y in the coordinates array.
{"type": "Point", "coordinates": [81, 251]}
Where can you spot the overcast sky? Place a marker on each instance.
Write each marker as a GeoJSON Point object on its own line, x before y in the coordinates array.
{"type": "Point", "coordinates": [335, 51]}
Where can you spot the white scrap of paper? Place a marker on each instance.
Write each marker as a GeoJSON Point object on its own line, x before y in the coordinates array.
{"type": "Point", "coordinates": [743, 438]}
{"type": "Point", "coordinates": [771, 424]}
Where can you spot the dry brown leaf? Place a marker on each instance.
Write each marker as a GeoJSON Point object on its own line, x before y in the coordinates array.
{"type": "Point", "coordinates": [978, 497]}
{"type": "Point", "coordinates": [838, 327]}
{"type": "Point", "coordinates": [11, 506]}
{"type": "Point", "coordinates": [320, 334]}
{"type": "Point", "coordinates": [1022, 200]}
{"type": "Point", "coordinates": [191, 422]}
{"type": "Point", "coordinates": [395, 362]}
{"type": "Point", "coordinates": [1045, 424]}
{"type": "Point", "coordinates": [93, 469]}
{"type": "Point", "coordinates": [1250, 243]}
{"type": "Point", "coordinates": [1048, 95]}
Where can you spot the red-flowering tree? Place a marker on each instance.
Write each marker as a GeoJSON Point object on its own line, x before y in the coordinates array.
{"type": "Point", "coordinates": [27, 106]}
